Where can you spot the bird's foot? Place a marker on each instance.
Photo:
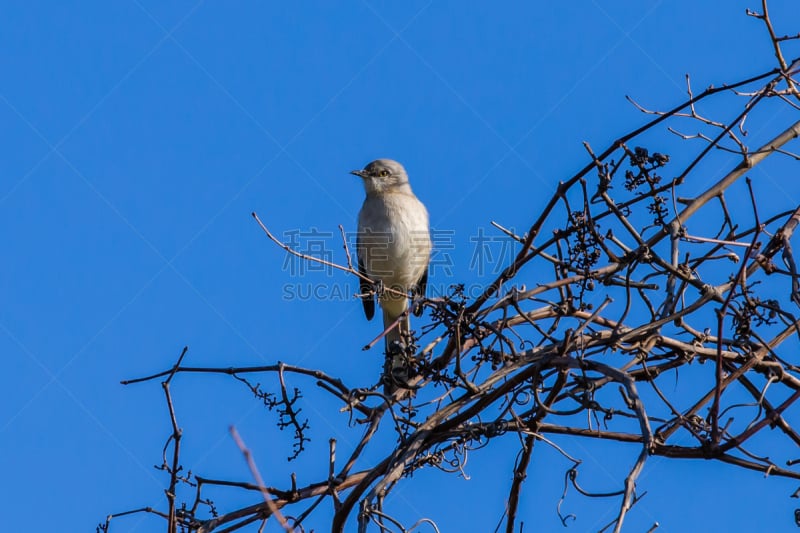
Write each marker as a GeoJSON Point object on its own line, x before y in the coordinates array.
{"type": "Point", "coordinates": [378, 287]}
{"type": "Point", "coordinates": [418, 305]}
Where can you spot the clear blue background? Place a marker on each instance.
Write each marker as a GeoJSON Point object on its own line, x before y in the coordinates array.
{"type": "Point", "coordinates": [139, 135]}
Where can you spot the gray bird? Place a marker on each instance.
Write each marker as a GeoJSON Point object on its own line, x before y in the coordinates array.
{"type": "Point", "coordinates": [394, 249]}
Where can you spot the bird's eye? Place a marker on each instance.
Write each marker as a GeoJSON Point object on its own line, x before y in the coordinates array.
{"type": "Point", "coordinates": [384, 173]}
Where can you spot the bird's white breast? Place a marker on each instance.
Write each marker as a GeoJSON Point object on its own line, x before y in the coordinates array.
{"type": "Point", "coordinates": [395, 238]}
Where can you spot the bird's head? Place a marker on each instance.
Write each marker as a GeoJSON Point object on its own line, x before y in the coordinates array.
{"type": "Point", "coordinates": [383, 175]}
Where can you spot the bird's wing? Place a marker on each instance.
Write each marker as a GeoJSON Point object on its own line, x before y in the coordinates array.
{"type": "Point", "coordinates": [364, 286]}
{"type": "Point", "coordinates": [420, 290]}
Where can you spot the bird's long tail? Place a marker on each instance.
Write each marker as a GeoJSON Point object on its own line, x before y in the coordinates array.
{"type": "Point", "coordinates": [395, 369]}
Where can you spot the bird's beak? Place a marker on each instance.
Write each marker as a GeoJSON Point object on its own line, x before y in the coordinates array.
{"type": "Point", "coordinates": [359, 173]}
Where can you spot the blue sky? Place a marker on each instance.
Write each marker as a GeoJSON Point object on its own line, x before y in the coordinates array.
{"type": "Point", "coordinates": [139, 136]}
